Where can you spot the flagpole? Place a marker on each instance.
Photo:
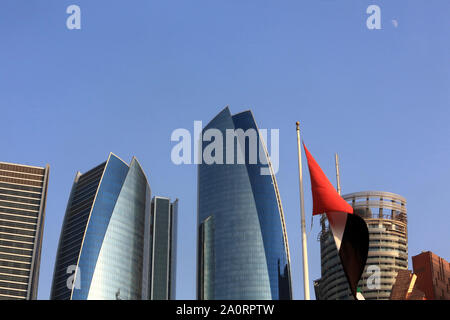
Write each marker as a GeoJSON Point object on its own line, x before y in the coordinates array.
{"type": "Point", "coordinates": [302, 213]}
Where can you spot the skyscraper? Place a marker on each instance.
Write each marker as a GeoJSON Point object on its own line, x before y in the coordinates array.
{"type": "Point", "coordinates": [104, 245]}
{"type": "Point", "coordinates": [386, 218]}
{"type": "Point", "coordinates": [115, 242]}
{"type": "Point", "coordinates": [164, 248]}
{"type": "Point", "coordinates": [242, 243]}
{"type": "Point", "coordinates": [23, 194]}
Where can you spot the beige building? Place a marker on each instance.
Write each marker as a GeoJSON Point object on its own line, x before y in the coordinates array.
{"type": "Point", "coordinates": [386, 218]}
{"type": "Point", "coordinates": [23, 192]}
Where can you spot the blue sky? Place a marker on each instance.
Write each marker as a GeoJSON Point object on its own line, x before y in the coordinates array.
{"type": "Point", "coordinates": [137, 70]}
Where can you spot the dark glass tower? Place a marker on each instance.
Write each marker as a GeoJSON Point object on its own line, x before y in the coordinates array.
{"type": "Point", "coordinates": [164, 248]}
{"type": "Point", "coordinates": [242, 244]}
{"type": "Point", "coordinates": [104, 245]}
{"type": "Point", "coordinates": [23, 194]}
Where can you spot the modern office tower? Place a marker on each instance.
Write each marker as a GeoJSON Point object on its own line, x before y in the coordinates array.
{"type": "Point", "coordinates": [104, 247]}
{"type": "Point", "coordinates": [433, 275]}
{"type": "Point", "coordinates": [23, 194]}
{"type": "Point", "coordinates": [385, 215]}
{"type": "Point", "coordinates": [164, 248]}
{"type": "Point", "coordinates": [242, 244]}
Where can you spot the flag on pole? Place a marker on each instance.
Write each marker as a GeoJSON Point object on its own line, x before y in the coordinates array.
{"type": "Point", "coordinates": [349, 231]}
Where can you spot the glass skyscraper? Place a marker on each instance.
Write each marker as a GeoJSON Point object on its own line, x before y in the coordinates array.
{"type": "Point", "coordinates": [23, 194]}
{"type": "Point", "coordinates": [105, 247]}
{"type": "Point", "coordinates": [164, 244]}
{"type": "Point", "coordinates": [243, 250]}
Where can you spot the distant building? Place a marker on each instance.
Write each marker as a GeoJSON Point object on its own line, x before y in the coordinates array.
{"type": "Point", "coordinates": [405, 287]}
{"type": "Point", "coordinates": [433, 275]}
{"type": "Point", "coordinates": [114, 244]}
{"type": "Point", "coordinates": [386, 218]}
{"type": "Point", "coordinates": [23, 194]}
{"type": "Point", "coordinates": [163, 232]}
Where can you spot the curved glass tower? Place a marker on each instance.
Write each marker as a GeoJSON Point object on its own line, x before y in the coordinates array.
{"type": "Point", "coordinates": [104, 248]}
{"type": "Point", "coordinates": [242, 244]}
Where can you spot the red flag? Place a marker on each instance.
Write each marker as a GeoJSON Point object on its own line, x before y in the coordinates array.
{"type": "Point", "coordinates": [349, 231]}
{"type": "Point", "coordinates": [325, 197]}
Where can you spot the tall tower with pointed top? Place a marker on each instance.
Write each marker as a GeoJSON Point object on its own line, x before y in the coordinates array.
{"type": "Point", "coordinates": [243, 251]}
{"type": "Point", "coordinates": [107, 244]}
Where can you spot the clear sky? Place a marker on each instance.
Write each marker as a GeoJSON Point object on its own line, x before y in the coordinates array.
{"type": "Point", "coordinates": [137, 70]}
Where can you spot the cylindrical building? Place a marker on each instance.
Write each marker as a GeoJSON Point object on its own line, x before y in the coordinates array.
{"type": "Point", "coordinates": [385, 215]}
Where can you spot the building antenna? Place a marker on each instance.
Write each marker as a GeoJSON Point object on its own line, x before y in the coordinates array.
{"type": "Point", "coordinates": [359, 295]}
{"type": "Point", "coordinates": [302, 213]}
{"type": "Point", "coordinates": [338, 178]}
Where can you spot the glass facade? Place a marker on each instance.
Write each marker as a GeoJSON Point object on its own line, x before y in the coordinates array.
{"type": "Point", "coordinates": [77, 214]}
{"type": "Point", "coordinates": [242, 244]}
{"type": "Point", "coordinates": [173, 251]}
{"type": "Point", "coordinates": [116, 244]}
{"type": "Point", "coordinates": [164, 226]}
{"type": "Point", "coordinates": [103, 238]}
{"type": "Point", "coordinates": [118, 269]}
